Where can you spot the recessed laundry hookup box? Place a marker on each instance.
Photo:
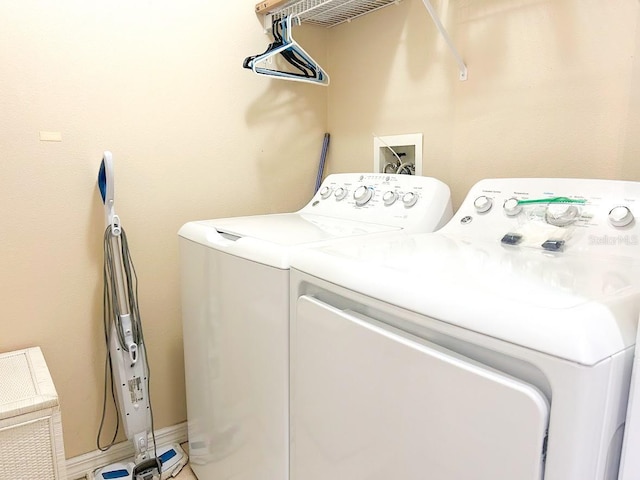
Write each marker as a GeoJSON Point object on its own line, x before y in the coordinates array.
{"type": "Point", "coordinates": [31, 445]}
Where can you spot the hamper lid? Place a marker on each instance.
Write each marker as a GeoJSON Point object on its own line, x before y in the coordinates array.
{"type": "Point", "coordinates": [25, 383]}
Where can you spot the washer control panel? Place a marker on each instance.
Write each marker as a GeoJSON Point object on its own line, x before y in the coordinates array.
{"type": "Point", "coordinates": [407, 201]}
{"type": "Point", "coordinates": [553, 214]}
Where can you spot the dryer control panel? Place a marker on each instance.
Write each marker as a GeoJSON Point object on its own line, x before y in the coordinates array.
{"type": "Point", "coordinates": [414, 203]}
{"type": "Point", "coordinates": [555, 215]}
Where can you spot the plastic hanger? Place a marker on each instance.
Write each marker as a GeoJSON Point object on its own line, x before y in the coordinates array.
{"type": "Point", "coordinates": [248, 62]}
{"type": "Point", "coordinates": [278, 25]}
{"type": "Point", "coordinates": [281, 29]}
{"type": "Point", "coordinates": [310, 71]}
{"type": "Point", "coordinates": [308, 68]}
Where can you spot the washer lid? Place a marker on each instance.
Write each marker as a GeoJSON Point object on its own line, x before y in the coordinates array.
{"type": "Point", "coordinates": [577, 307]}
{"type": "Point", "coordinates": [270, 239]}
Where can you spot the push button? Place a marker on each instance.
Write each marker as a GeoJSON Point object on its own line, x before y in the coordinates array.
{"type": "Point", "coordinates": [553, 245]}
{"type": "Point", "coordinates": [511, 239]}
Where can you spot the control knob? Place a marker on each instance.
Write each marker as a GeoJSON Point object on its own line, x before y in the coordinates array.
{"type": "Point", "coordinates": [362, 195]}
{"type": "Point", "coordinates": [325, 192]}
{"type": "Point", "coordinates": [340, 193]}
{"type": "Point", "coordinates": [483, 204]}
{"type": "Point", "coordinates": [511, 207]}
{"type": "Point", "coordinates": [561, 214]}
{"type": "Point", "coordinates": [409, 199]}
{"type": "Point", "coordinates": [389, 197]}
{"type": "Point", "coordinates": [620, 216]}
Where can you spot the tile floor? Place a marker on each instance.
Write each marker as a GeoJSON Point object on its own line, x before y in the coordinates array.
{"type": "Point", "coordinates": [186, 474]}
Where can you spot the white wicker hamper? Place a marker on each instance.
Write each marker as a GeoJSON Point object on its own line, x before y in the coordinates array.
{"type": "Point", "coordinates": [31, 446]}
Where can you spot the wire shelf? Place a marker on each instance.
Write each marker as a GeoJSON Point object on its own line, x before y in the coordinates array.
{"type": "Point", "coordinates": [329, 13]}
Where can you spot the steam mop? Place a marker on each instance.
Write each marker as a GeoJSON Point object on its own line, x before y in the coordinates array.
{"type": "Point", "coordinates": [126, 361]}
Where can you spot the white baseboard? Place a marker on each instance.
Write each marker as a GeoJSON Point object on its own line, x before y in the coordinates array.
{"type": "Point", "coordinates": [82, 466]}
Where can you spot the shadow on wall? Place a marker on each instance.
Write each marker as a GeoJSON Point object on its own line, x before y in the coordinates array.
{"type": "Point", "coordinates": [495, 22]}
{"type": "Point", "coordinates": [539, 100]}
{"type": "Point", "coordinates": [293, 119]}
{"type": "Point", "coordinates": [287, 120]}
{"type": "Point", "coordinates": [426, 47]}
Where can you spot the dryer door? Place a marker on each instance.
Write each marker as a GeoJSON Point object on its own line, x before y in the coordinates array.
{"type": "Point", "coordinates": [372, 402]}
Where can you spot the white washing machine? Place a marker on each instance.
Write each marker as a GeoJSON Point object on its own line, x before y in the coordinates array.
{"type": "Point", "coordinates": [498, 348]}
{"type": "Point", "coordinates": [235, 303]}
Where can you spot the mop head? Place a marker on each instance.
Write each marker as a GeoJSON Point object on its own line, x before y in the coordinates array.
{"type": "Point", "coordinates": [172, 458]}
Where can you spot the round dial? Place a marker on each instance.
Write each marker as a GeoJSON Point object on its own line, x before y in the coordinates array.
{"type": "Point", "coordinates": [409, 199]}
{"type": "Point", "coordinates": [362, 195]}
{"type": "Point", "coordinates": [561, 214]}
{"type": "Point", "coordinates": [620, 216]}
{"type": "Point", "coordinates": [512, 207]}
{"type": "Point", "coordinates": [325, 192]}
{"type": "Point", "coordinates": [389, 197]}
{"type": "Point", "coordinates": [340, 193]}
{"type": "Point", "coordinates": [483, 204]}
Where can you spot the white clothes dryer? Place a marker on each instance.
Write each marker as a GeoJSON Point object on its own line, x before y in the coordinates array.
{"type": "Point", "coordinates": [235, 304]}
{"type": "Point", "coordinates": [630, 461]}
{"type": "Point", "coordinates": [498, 348]}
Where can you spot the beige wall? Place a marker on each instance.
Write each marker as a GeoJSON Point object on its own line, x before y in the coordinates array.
{"type": "Point", "coordinates": [552, 91]}
{"type": "Point", "coordinates": [193, 134]}
{"type": "Point", "coordinates": [552, 88]}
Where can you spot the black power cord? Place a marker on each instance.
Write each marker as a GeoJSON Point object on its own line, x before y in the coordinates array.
{"type": "Point", "coordinates": [111, 315]}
